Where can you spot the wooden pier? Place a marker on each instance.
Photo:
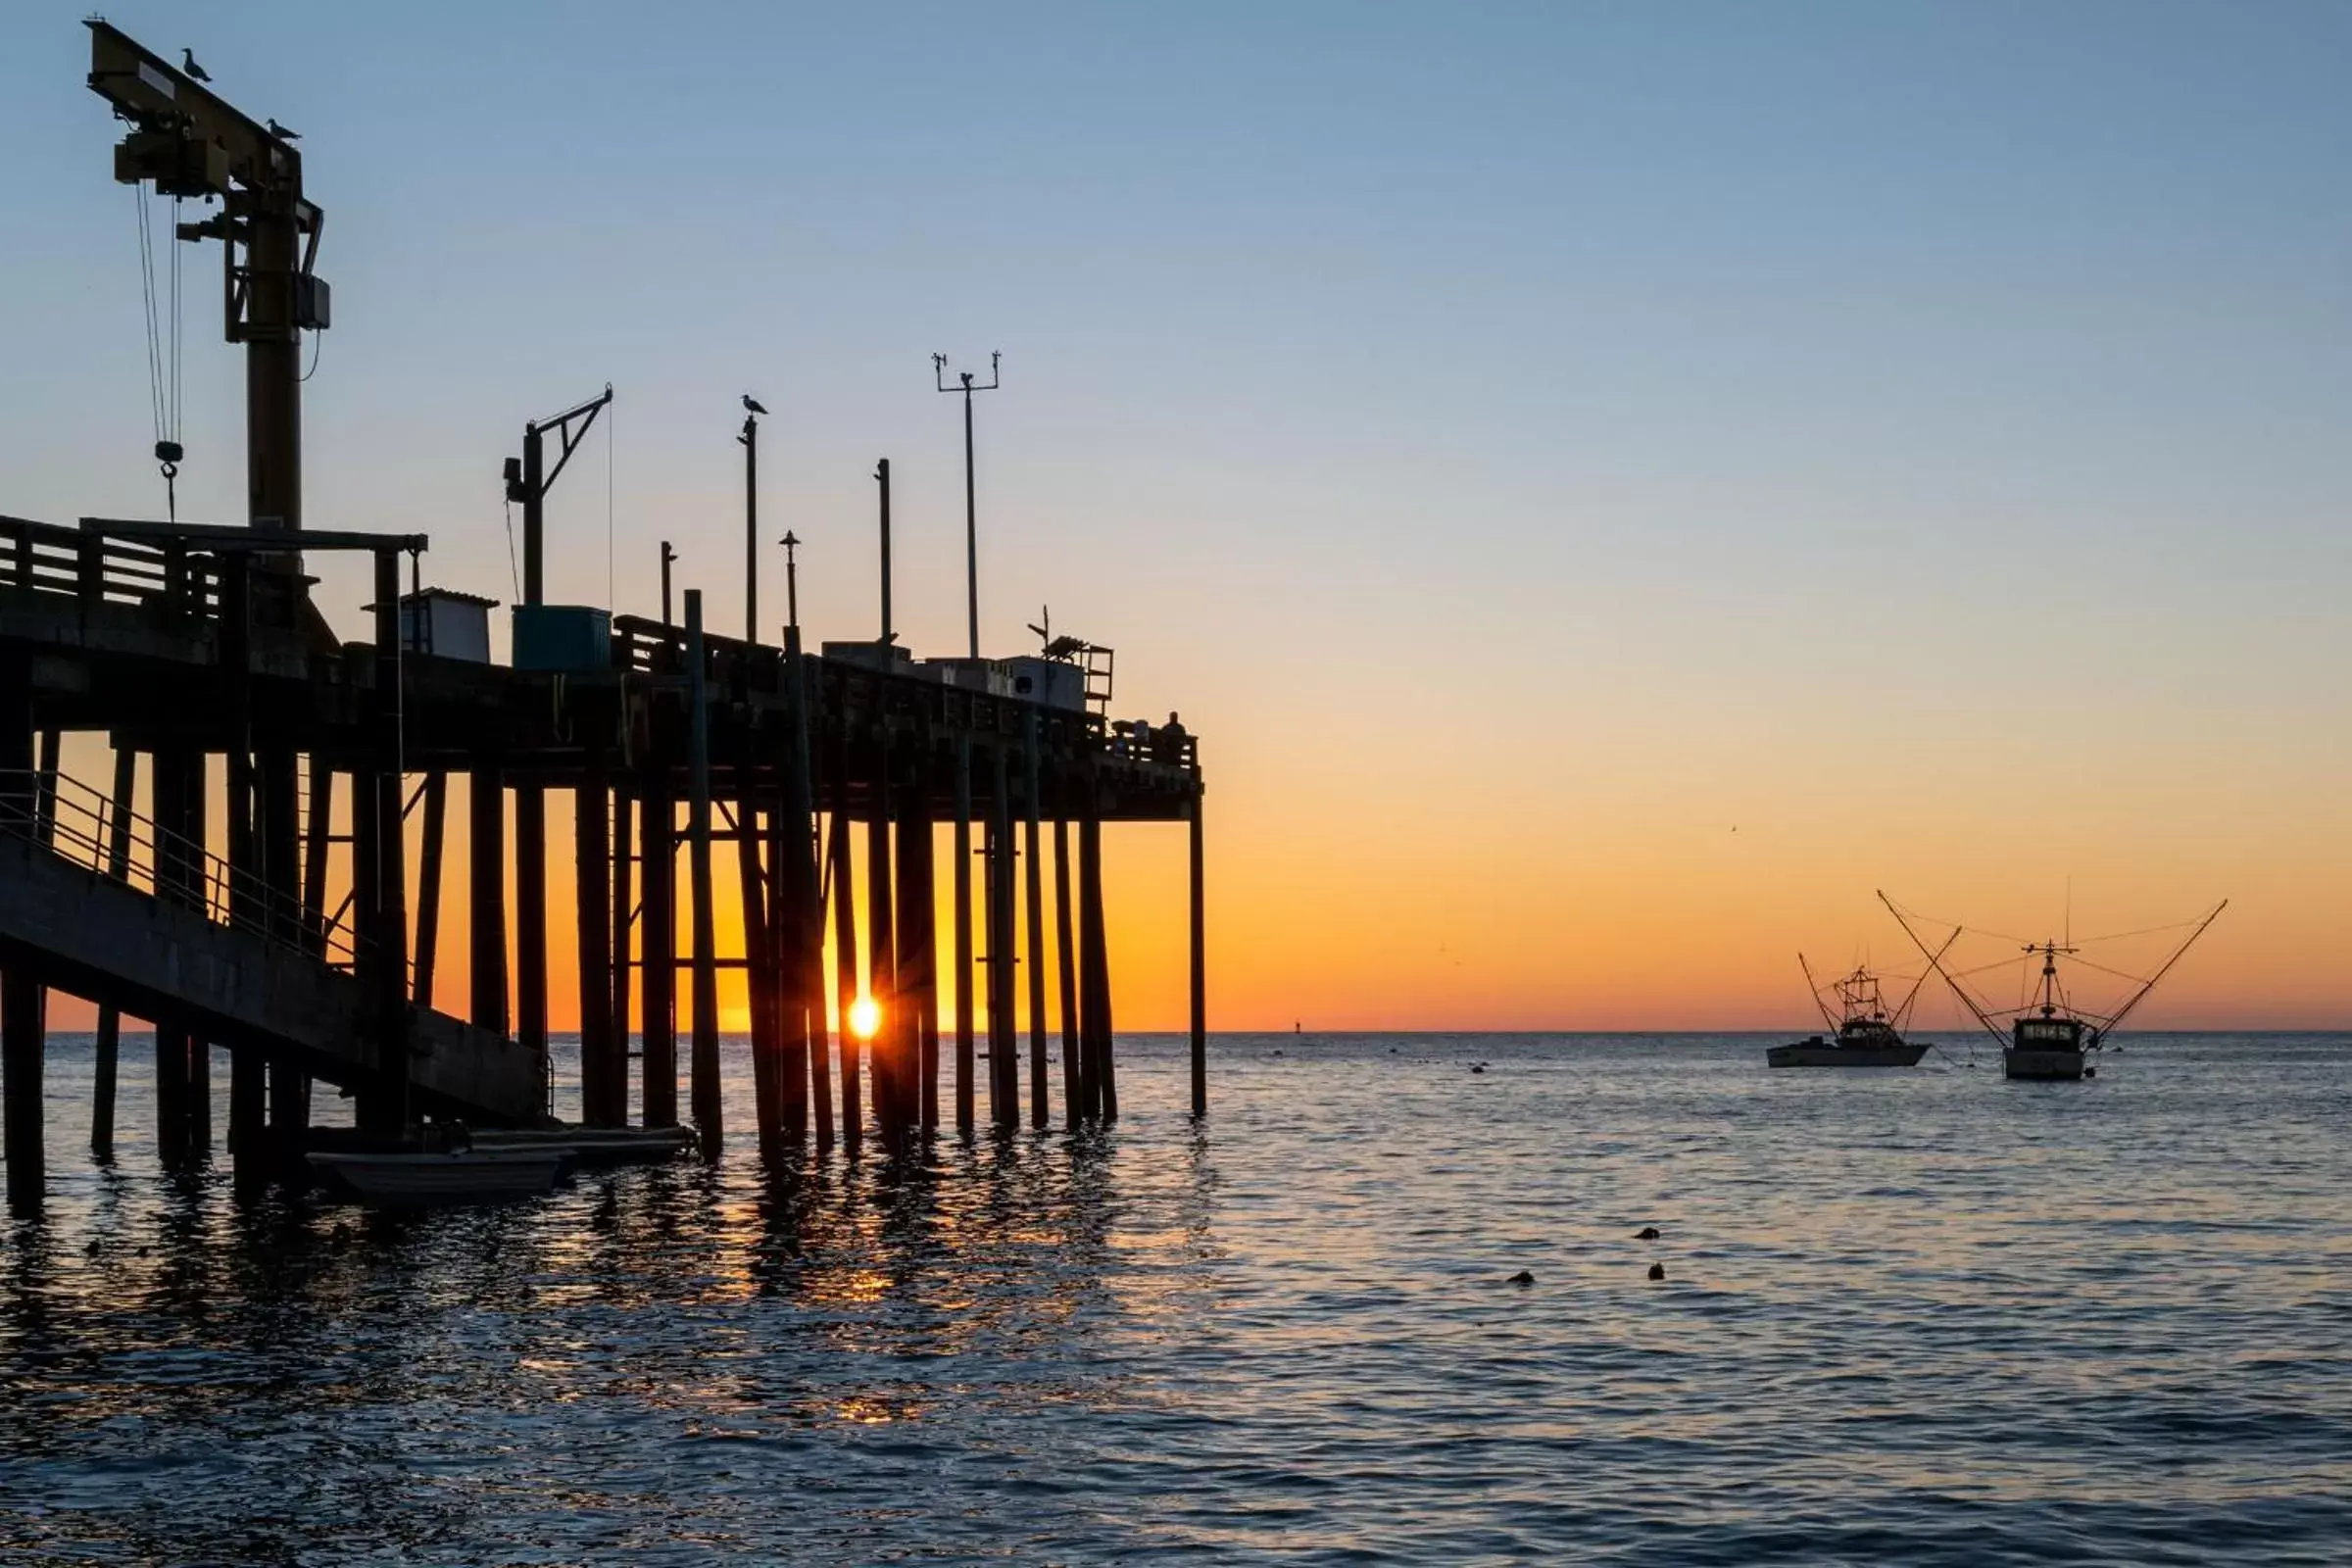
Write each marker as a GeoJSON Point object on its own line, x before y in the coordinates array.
{"type": "Point", "coordinates": [196, 652]}
{"type": "Point", "coordinates": [161, 638]}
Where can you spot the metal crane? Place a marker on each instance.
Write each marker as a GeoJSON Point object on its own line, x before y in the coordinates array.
{"type": "Point", "coordinates": [187, 142]}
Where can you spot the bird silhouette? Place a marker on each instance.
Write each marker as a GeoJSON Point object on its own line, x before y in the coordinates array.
{"type": "Point", "coordinates": [752, 404]}
{"type": "Point", "coordinates": [187, 63]}
{"type": "Point", "coordinates": [283, 132]}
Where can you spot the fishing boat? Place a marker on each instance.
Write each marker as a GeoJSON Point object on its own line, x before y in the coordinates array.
{"type": "Point", "coordinates": [1862, 1033]}
{"type": "Point", "coordinates": [2052, 1038]}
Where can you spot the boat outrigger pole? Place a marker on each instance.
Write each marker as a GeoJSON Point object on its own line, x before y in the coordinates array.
{"type": "Point", "coordinates": [1935, 963]}
{"type": "Point", "coordinates": [2116, 1022]}
{"type": "Point", "coordinates": [1813, 986]}
{"type": "Point", "coordinates": [1902, 1014]}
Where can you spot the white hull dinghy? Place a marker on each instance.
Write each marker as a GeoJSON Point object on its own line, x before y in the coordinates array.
{"type": "Point", "coordinates": [452, 1176]}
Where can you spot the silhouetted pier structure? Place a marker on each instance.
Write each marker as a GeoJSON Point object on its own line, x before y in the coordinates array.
{"type": "Point", "coordinates": [196, 653]}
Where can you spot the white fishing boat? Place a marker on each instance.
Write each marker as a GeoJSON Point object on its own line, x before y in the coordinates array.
{"type": "Point", "coordinates": [444, 1176]}
{"type": "Point", "coordinates": [2051, 1038]}
{"type": "Point", "coordinates": [1862, 1032]}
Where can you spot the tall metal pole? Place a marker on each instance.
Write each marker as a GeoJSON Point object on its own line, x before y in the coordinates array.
{"type": "Point", "coordinates": [971, 515]}
{"type": "Point", "coordinates": [751, 526]}
{"type": "Point", "coordinates": [882, 478]}
{"type": "Point", "coordinates": [971, 522]}
{"type": "Point", "coordinates": [667, 556]}
{"type": "Point", "coordinates": [792, 581]}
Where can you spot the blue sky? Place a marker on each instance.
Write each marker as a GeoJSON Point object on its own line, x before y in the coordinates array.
{"type": "Point", "coordinates": [1704, 387]}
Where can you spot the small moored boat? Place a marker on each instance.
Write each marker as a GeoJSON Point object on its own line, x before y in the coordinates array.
{"type": "Point", "coordinates": [445, 1176]}
{"type": "Point", "coordinates": [1863, 1034]}
{"type": "Point", "coordinates": [594, 1146]}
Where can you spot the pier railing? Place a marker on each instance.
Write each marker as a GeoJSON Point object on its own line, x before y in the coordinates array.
{"type": "Point", "coordinates": [92, 830]}
{"type": "Point", "coordinates": [648, 647]}
{"type": "Point", "coordinates": [91, 564]}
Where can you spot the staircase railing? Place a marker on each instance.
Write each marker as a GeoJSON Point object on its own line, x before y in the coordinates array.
{"type": "Point", "coordinates": [80, 824]}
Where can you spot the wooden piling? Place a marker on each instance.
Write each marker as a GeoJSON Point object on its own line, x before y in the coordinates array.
{"type": "Point", "coordinates": [604, 1071]}
{"type": "Point", "coordinates": [788, 968]}
{"type": "Point", "coordinates": [1094, 969]}
{"type": "Point", "coordinates": [196, 804]}
{"type": "Point", "coordinates": [1066, 968]}
{"type": "Point", "coordinates": [20, 1129]}
{"type": "Point", "coordinates": [530, 917]}
{"type": "Point", "coordinates": [435, 801]}
{"type": "Point", "coordinates": [486, 895]}
{"type": "Point", "coordinates": [918, 842]}
{"type": "Point", "coordinates": [383, 1102]}
{"type": "Point", "coordinates": [1035, 886]}
{"type": "Point", "coordinates": [1200, 971]}
{"type": "Point", "coordinates": [657, 945]}
{"type": "Point", "coordinates": [278, 838]}
{"type": "Point", "coordinates": [913, 961]}
{"type": "Point", "coordinates": [963, 936]}
{"type": "Point", "coordinates": [1003, 1038]}
{"type": "Point", "coordinates": [881, 954]}
{"type": "Point", "coordinates": [759, 978]}
{"type": "Point", "coordinates": [845, 965]}
{"type": "Point", "coordinates": [167, 816]}
{"type": "Point", "coordinates": [702, 1064]}
{"type": "Point", "coordinates": [108, 1046]}
{"type": "Point", "coordinates": [624, 921]}
{"type": "Point", "coordinates": [21, 1123]}
{"type": "Point", "coordinates": [804, 934]}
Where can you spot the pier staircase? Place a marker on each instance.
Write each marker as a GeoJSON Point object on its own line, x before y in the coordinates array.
{"type": "Point", "coordinates": [209, 950]}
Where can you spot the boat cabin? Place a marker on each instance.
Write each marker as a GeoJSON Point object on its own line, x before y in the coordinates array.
{"type": "Point", "coordinates": [2049, 1034]}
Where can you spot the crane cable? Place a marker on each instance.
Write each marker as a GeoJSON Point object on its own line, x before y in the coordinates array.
{"type": "Point", "coordinates": [162, 348]}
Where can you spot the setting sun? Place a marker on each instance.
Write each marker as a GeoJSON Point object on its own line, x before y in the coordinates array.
{"type": "Point", "coordinates": [865, 1016]}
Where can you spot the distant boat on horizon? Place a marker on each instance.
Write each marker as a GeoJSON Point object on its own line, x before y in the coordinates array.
{"type": "Point", "coordinates": [1862, 1033]}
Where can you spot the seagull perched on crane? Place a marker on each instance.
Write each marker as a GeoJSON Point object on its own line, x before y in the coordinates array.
{"type": "Point", "coordinates": [750, 405]}
{"type": "Point", "coordinates": [195, 72]}
{"type": "Point", "coordinates": [283, 132]}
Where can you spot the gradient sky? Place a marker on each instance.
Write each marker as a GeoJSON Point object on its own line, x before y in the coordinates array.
{"type": "Point", "coordinates": [1527, 442]}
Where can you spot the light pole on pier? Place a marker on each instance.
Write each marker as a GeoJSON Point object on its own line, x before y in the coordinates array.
{"type": "Point", "coordinates": [971, 527]}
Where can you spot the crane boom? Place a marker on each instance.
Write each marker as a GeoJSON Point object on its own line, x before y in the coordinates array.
{"type": "Point", "coordinates": [188, 142]}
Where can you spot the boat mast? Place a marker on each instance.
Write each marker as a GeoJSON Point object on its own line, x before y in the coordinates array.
{"type": "Point", "coordinates": [2049, 952]}
{"type": "Point", "coordinates": [1813, 986]}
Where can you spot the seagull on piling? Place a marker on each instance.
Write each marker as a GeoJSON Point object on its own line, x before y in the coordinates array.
{"type": "Point", "coordinates": [283, 132]}
{"type": "Point", "coordinates": [751, 403]}
{"type": "Point", "coordinates": [195, 72]}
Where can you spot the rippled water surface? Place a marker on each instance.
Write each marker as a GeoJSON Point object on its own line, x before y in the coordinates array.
{"type": "Point", "coordinates": [1921, 1316]}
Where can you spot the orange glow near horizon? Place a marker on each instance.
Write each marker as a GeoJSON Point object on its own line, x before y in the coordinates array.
{"type": "Point", "coordinates": [1586, 904]}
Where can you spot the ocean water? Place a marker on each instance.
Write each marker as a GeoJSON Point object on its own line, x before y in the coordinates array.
{"type": "Point", "coordinates": [1922, 1316]}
